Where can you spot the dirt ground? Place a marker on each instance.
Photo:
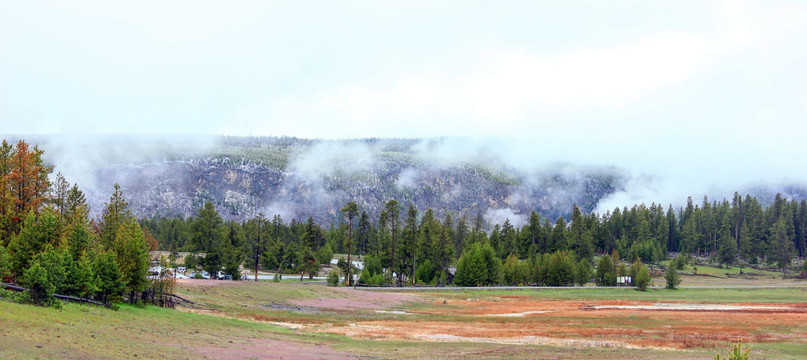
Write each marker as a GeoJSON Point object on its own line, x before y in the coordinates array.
{"type": "Point", "coordinates": [590, 323]}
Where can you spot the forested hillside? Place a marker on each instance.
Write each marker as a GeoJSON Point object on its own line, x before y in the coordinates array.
{"type": "Point", "coordinates": [298, 178]}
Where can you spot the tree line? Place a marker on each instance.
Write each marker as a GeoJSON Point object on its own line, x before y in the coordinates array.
{"type": "Point", "coordinates": [49, 243]}
{"type": "Point", "coordinates": [404, 246]}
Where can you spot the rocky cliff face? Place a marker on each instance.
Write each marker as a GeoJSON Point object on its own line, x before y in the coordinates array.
{"type": "Point", "coordinates": [317, 180]}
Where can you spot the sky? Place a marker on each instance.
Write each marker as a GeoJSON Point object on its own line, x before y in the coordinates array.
{"type": "Point", "coordinates": [685, 96]}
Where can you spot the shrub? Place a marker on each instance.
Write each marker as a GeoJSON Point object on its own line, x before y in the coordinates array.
{"type": "Point", "coordinates": [643, 278]}
{"type": "Point", "coordinates": [673, 278]}
{"type": "Point", "coordinates": [606, 274]}
{"type": "Point", "coordinates": [425, 272]}
{"type": "Point", "coordinates": [373, 265]}
{"type": "Point", "coordinates": [40, 290]}
{"type": "Point", "coordinates": [333, 278]}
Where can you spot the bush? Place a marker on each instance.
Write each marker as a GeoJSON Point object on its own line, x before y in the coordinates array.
{"type": "Point", "coordinates": [333, 278]}
{"type": "Point", "coordinates": [673, 278]}
{"type": "Point", "coordinates": [643, 278]}
{"type": "Point", "coordinates": [14, 296]}
{"type": "Point", "coordinates": [40, 290]}
{"type": "Point", "coordinates": [425, 272]}
{"type": "Point", "coordinates": [373, 265]}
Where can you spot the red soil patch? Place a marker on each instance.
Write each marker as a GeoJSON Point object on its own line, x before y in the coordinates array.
{"type": "Point", "coordinates": [562, 322]}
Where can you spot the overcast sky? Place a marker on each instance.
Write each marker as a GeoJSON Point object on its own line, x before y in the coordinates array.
{"type": "Point", "coordinates": [661, 88]}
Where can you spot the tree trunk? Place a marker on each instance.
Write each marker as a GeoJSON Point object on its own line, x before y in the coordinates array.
{"type": "Point", "coordinates": [349, 242]}
{"type": "Point", "coordinates": [257, 257]}
{"type": "Point", "coordinates": [392, 263]}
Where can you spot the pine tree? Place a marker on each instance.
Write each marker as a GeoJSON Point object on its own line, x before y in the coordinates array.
{"type": "Point", "coordinates": [207, 237]}
{"type": "Point", "coordinates": [114, 216]}
{"type": "Point", "coordinates": [59, 192]}
{"type": "Point", "coordinates": [393, 214]}
{"type": "Point", "coordinates": [5, 264]}
{"type": "Point", "coordinates": [234, 250]}
{"type": "Point", "coordinates": [582, 272]}
{"type": "Point", "coordinates": [642, 278]}
{"type": "Point", "coordinates": [460, 236]}
{"type": "Point", "coordinates": [673, 278]}
{"type": "Point", "coordinates": [471, 268]}
{"type": "Point", "coordinates": [108, 277]}
{"type": "Point", "coordinates": [363, 232]}
{"type": "Point", "coordinates": [6, 198]}
{"type": "Point", "coordinates": [75, 207]}
{"type": "Point", "coordinates": [727, 251]}
{"type": "Point", "coordinates": [28, 179]}
{"type": "Point", "coordinates": [579, 238]}
{"type": "Point", "coordinates": [132, 258]}
{"type": "Point", "coordinates": [40, 289]}
{"type": "Point", "coordinates": [606, 274]}
{"type": "Point", "coordinates": [351, 210]}
{"type": "Point", "coordinates": [508, 240]}
{"type": "Point", "coordinates": [35, 234]}
{"type": "Point", "coordinates": [781, 247]}
{"type": "Point", "coordinates": [409, 235]}
{"type": "Point", "coordinates": [257, 239]}
{"type": "Point", "coordinates": [557, 240]}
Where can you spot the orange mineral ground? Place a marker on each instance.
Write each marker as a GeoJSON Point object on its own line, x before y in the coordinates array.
{"type": "Point", "coordinates": [589, 323]}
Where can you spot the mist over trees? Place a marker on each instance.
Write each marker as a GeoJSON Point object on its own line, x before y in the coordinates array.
{"type": "Point", "coordinates": [50, 245]}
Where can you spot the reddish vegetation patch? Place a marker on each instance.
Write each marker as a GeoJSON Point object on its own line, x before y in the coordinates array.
{"type": "Point", "coordinates": [270, 349]}
{"type": "Point", "coordinates": [349, 299]}
{"type": "Point", "coordinates": [573, 323]}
